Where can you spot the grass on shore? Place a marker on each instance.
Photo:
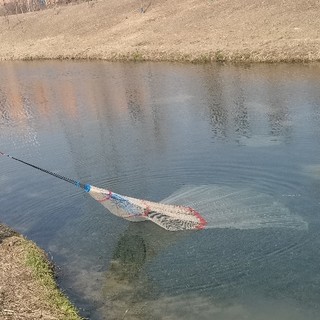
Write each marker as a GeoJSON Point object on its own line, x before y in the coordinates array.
{"type": "Point", "coordinates": [210, 57]}
{"type": "Point", "coordinates": [27, 282]}
{"type": "Point", "coordinates": [43, 271]}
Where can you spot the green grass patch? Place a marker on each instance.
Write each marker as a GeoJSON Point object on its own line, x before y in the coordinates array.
{"type": "Point", "coordinates": [44, 272]}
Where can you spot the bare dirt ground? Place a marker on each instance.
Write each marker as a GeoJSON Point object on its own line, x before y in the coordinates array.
{"type": "Point", "coordinates": [183, 30]}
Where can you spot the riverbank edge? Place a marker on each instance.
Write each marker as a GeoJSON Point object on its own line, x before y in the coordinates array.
{"type": "Point", "coordinates": [36, 263]}
{"type": "Point", "coordinates": [219, 56]}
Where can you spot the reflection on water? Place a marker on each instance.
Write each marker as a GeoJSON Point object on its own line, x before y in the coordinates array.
{"type": "Point", "coordinates": [257, 110]}
{"type": "Point", "coordinates": [245, 137]}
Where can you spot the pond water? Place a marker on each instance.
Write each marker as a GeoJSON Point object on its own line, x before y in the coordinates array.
{"type": "Point", "coordinates": [240, 142]}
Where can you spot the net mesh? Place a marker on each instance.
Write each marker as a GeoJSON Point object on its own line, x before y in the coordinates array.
{"type": "Point", "coordinates": [237, 207]}
{"type": "Point", "coordinates": [169, 217]}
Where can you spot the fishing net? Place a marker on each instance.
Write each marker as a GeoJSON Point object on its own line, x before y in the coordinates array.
{"type": "Point", "coordinates": [169, 217]}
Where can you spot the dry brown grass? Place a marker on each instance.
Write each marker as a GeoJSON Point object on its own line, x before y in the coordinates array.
{"type": "Point", "coordinates": [27, 286]}
{"type": "Point", "coordinates": [183, 30]}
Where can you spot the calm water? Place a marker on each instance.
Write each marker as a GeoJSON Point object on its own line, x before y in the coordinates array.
{"type": "Point", "coordinates": [242, 140]}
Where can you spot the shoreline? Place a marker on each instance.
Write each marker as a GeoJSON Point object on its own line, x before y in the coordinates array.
{"type": "Point", "coordinates": [213, 57]}
{"type": "Point", "coordinates": [28, 289]}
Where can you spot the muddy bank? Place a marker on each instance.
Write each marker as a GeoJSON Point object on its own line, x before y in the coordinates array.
{"type": "Point", "coordinates": [182, 30]}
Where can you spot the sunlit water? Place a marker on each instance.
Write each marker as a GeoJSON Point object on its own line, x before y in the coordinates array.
{"type": "Point", "coordinates": [240, 143]}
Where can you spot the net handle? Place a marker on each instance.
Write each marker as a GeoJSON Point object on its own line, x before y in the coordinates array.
{"type": "Point", "coordinates": [78, 184]}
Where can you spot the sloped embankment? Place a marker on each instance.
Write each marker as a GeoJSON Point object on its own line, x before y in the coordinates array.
{"type": "Point", "coordinates": [183, 30]}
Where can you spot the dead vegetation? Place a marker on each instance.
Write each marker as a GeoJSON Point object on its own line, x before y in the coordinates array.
{"type": "Point", "coordinates": [182, 30]}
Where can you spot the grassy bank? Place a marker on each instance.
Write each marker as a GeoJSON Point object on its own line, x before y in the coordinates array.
{"type": "Point", "coordinates": [27, 283]}
{"type": "Point", "coordinates": [181, 30]}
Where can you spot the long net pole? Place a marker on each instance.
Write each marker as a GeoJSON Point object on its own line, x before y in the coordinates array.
{"type": "Point", "coordinates": [78, 184]}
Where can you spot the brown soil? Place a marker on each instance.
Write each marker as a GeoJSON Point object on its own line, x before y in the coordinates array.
{"type": "Point", "coordinates": [24, 292]}
{"type": "Point", "coordinates": [184, 30]}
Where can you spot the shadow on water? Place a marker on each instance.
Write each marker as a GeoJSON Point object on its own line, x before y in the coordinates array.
{"type": "Point", "coordinates": [127, 286]}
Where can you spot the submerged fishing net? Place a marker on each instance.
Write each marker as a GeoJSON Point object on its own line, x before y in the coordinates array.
{"type": "Point", "coordinates": [169, 217]}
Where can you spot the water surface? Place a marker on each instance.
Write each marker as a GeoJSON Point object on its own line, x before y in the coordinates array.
{"type": "Point", "coordinates": [243, 142]}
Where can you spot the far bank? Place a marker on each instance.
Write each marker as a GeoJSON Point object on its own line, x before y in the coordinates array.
{"type": "Point", "coordinates": [182, 30]}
